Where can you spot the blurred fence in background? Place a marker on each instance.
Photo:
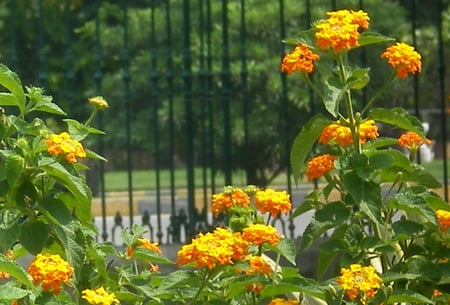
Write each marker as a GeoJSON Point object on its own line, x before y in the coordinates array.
{"type": "Point", "coordinates": [202, 81]}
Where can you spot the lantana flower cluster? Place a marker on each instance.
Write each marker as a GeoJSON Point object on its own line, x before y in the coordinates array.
{"type": "Point", "coordinates": [63, 145]}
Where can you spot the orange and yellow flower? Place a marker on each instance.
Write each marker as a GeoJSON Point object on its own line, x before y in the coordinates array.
{"type": "Point", "coordinates": [51, 271]}
{"type": "Point", "coordinates": [319, 166]}
{"type": "Point", "coordinates": [301, 59]}
{"type": "Point", "coordinates": [337, 133]}
{"type": "Point", "coordinates": [443, 219]}
{"type": "Point", "coordinates": [359, 281]}
{"type": "Point", "coordinates": [412, 140]}
{"type": "Point", "coordinates": [220, 247]}
{"type": "Point", "coordinates": [143, 243]}
{"type": "Point", "coordinates": [258, 234]}
{"type": "Point", "coordinates": [273, 202]}
{"type": "Point", "coordinates": [223, 201]}
{"type": "Point", "coordinates": [62, 144]}
{"type": "Point", "coordinates": [340, 30]}
{"type": "Point", "coordinates": [403, 58]}
{"type": "Point", "coordinates": [280, 301]}
{"type": "Point", "coordinates": [99, 296]}
{"type": "Point", "coordinates": [257, 265]}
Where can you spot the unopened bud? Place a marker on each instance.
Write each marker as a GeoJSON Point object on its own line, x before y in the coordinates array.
{"type": "Point", "coordinates": [332, 290]}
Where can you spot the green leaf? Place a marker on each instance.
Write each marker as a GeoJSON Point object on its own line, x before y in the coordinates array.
{"type": "Point", "coordinates": [93, 155]}
{"type": "Point", "coordinates": [397, 117]}
{"type": "Point", "coordinates": [33, 236]}
{"type": "Point", "coordinates": [358, 79]}
{"type": "Point", "coordinates": [10, 293]}
{"type": "Point", "coordinates": [304, 141]}
{"type": "Point", "coordinates": [286, 248]}
{"type": "Point", "coordinates": [331, 215]}
{"type": "Point", "coordinates": [55, 211]}
{"type": "Point", "coordinates": [309, 288]}
{"type": "Point", "coordinates": [150, 256]}
{"type": "Point", "coordinates": [367, 38]}
{"type": "Point", "coordinates": [332, 96]}
{"type": "Point", "coordinates": [379, 143]}
{"type": "Point", "coordinates": [77, 130]}
{"type": "Point", "coordinates": [14, 164]}
{"type": "Point", "coordinates": [7, 99]}
{"type": "Point", "coordinates": [404, 229]}
{"type": "Point", "coordinates": [366, 194]}
{"type": "Point", "coordinates": [72, 181]}
{"type": "Point", "coordinates": [379, 159]}
{"type": "Point", "coordinates": [11, 82]}
{"type": "Point", "coordinates": [407, 296]}
{"type": "Point", "coordinates": [15, 270]}
{"type": "Point", "coordinates": [48, 107]}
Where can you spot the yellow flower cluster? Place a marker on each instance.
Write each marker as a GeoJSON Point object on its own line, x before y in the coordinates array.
{"type": "Point", "coordinates": [51, 271]}
{"type": "Point", "coordinates": [443, 219]}
{"type": "Point", "coordinates": [273, 202]}
{"type": "Point", "coordinates": [257, 265]}
{"type": "Point", "coordinates": [223, 201]}
{"type": "Point", "coordinates": [362, 281]}
{"type": "Point", "coordinates": [403, 58]}
{"type": "Point", "coordinates": [220, 247]}
{"type": "Point", "coordinates": [143, 243]}
{"type": "Point", "coordinates": [341, 29]}
{"type": "Point", "coordinates": [62, 144]}
{"type": "Point", "coordinates": [301, 59]}
{"type": "Point", "coordinates": [258, 234]}
{"type": "Point", "coordinates": [280, 301]}
{"type": "Point", "coordinates": [319, 166]}
{"type": "Point", "coordinates": [342, 135]}
{"type": "Point", "coordinates": [99, 296]}
{"type": "Point", "coordinates": [412, 140]}
{"type": "Point", "coordinates": [98, 102]}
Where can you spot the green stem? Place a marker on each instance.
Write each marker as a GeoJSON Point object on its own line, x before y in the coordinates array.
{"type": "Point", "coordinates": [312, 86]}
{"type": "Point", "coordinates": [91, 117]}
{"type": "Point", "coordinates": [378, 94]}
{"type": "Point", "coordinates": [349, 106]}
{"type": "Point", "coordinates": [202, 285]}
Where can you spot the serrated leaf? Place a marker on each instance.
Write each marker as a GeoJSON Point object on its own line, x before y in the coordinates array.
{"type": "Point", "coordinates": [10, 293]}
{"type": "Point", "coordinates": [7, 99]}
{"type": "Point", "coordinates": [358, 79]}
{"type": "Point", "coordinates": [55, 210]}
{"type": "Point", "coordinates": [33, 236]}
{"type": "Point", "coordinates": [332, 96]}
{"type": "Point", "coordinates": [398, 117]}
{"type": "Point", "coordinates": [407, 296]}
{"type": "Point", "coordinates": [15, 270]}
{"type": "Point", "coordinates": [367, 38]}
{"type": "Point", "coordinates": [404, 229]}
{"type": "Point", "coordinates": [11, 82]}
{"type": "Point", "coordinates": [48, 107]}
{"type": "Point", "coordinates": [150, 256]}
{"type": "Point", "coordinates": [304, 141]}
{"type": "Point", "coordinates": [14, 164]}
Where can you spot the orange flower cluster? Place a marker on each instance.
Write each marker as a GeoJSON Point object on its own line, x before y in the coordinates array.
{"type": "Point", "coordinates": [280, 301]}
{"type": "Point", "coordinates": [62, 144]}
{"type": "Point", "coordinates": [301, 59]}
{"type": "Point", "coordinates": [9, 254]}
{"type": "Point", "coordinates": [143, 243]}
{"type": "Point", "coordinates": [319, 166]}
{"type": "Point", "coordinates": [443, 219]}
{"type": "Point", "coordinates": [257, 265]}
{"type": "Point", "coordinates": [51, 271]}
{"type": "Point", "coordinates": [273, 202]}
{"type": "Point", "coordinates": [258, 234]}
{"type": "Point", "coordinates": [341, 30]}
{"type": "Point", "coordinates": [403, 58]}
{"type": "Point", "coordinates": [412, 140]}
{"type": "Point", "coordinates": [221, 247]}
{"type": "Point", "coordinates": [223, 201]}
{"type": "Point", "coordinates": [342, 135]}
{"type": "Point", "coordinates": [362, 281]}
{"type": "Point", "coordinates": [99, 296]}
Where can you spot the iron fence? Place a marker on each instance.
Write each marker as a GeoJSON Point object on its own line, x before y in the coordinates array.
{"type": "Point", "coordinates": [198, 67]}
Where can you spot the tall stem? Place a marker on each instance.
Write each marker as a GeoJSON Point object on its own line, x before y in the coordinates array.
{"type": "Point", "coordinates": [379, 92]}
{"type": "Point", "coordinates": [348, 105]}
{"type": "Point", "coordinates": [202, 285]}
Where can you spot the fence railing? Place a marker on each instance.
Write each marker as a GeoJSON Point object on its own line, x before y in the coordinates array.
{"type": "Point", "coordinates": [191, 61]}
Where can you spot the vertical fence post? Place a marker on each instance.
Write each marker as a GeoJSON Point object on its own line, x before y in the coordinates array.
{"type": "Point", "coordinates": [225, 74]}
{"type": "Point", "coordinates": [127, 105]}
{"type": "Point", "coordinates": [69, 75]}
{"type": "Point", "coordinates": [42, 74]}
{"type": "Point", "coordinates": [244, 84]}
{"type": "Point", "coordinates": [170, 87]}
{"type": "Point", "coordinates": [98, 89]}
{"type": "Point", "coordinates": [187, 82]}
{"type": "Point", "coordinates": [12, 24]}
{"type": "Point", "coordinates": [442, 94]}
{"type": "Point", "coordinates": [155, 103]}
